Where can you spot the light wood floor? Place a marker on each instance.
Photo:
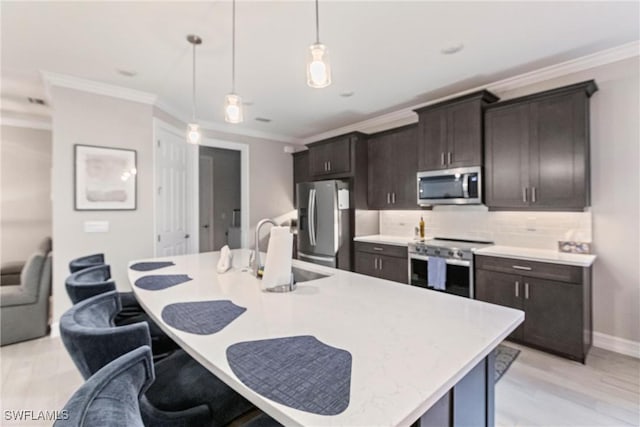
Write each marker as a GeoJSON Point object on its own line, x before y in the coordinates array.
{"type": "Point", "coordinates": [538, 389]}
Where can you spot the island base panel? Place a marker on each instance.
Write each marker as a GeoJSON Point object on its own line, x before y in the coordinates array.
{"type": "Point", "coordinates": [470, 402]}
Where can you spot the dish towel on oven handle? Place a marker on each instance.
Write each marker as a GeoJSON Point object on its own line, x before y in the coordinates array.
{"type": "Point", "coordinates": [437, 273]}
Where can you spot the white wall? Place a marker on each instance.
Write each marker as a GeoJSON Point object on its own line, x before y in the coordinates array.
{"type": "Point", "coordinates": [84, 118]}
{"type": "Point", "coordinates": [25, 191]}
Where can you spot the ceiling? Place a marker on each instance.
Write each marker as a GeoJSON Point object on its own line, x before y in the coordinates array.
{"type": "Point", "coordinates": [387, 53]}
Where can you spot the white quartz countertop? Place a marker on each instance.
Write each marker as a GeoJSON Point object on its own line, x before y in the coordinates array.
{"type": "Point", "coordinates": [409, 345]}
{"type": "Point", "coordinates": [384, 240]}
{"type": "Point", "coordinates": [542, 255]}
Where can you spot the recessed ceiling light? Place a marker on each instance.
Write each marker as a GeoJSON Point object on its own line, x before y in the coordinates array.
{"type": "Point", "coordinates": [37, 101]}
{"type": "Point", "coordinates": [263, 119]}
{"type": "Point", "coordinates": [127, 73]}
{"type": "Point", "coordinates": [452, 48]}
{"type": "Point", "coordinates": [347, 94]}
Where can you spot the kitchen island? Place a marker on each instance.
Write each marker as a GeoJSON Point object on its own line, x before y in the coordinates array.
{"type": "Point", "coordinates": [416, 355]}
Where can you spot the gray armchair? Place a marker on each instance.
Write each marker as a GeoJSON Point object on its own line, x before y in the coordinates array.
{"type": "Point", "coordinates": [24, 308]}
{"type": "Point", "coordinates": [10, 271]}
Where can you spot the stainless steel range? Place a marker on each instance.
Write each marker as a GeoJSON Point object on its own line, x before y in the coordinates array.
{"type": "Point", "coordinates": [458, 256]}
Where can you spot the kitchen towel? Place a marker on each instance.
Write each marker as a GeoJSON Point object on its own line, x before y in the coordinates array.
{"type": "Point", "coordinates": [437, 272]}
{"type": "Point", "coordinates": [201, 317]}
{"type": "Point", "coordinates": [148, 266]}
{"type": "Point", "coordinates": [300, 372]}
{"type": "Point", "coordinates": [277, 266]}
{"type": "Point", "coordinates": [224, 263]}
{"type": "Point", "coordinates": [159, 282]}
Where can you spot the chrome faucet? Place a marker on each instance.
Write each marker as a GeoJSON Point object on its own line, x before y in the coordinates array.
{"type": "Point", "coordinates": [256, 258]}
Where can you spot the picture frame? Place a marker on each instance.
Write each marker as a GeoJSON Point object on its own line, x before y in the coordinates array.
{"type": "Point", "coordinates": [105, 178]}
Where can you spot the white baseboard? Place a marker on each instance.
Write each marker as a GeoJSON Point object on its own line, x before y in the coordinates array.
{"type": "Point", "coordinates": [55, 330]}
{"type": "Point", "coordinates": [619, 345]}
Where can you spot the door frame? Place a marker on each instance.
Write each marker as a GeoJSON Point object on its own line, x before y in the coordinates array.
{"type": "Point", "coordinates": [244, 186]}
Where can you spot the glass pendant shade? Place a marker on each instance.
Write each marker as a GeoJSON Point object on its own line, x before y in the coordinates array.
{"type": "Point", "coordinates": [233, 108]}
{"type": "Point", "coordinates": [193, 133]}
{"type": "Point", "coordinates": [318, 67]}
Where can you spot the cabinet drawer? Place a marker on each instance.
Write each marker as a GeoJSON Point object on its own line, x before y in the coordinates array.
{"type": "Point", "coordinates": [543, 270]}
{"type": "Point", "coordinates": [388, 250]}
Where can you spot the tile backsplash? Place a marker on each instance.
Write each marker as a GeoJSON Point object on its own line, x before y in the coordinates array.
{"type": "Point", "coordinates": [541, 230]}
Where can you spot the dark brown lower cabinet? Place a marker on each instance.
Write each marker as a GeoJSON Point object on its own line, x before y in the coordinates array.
{"type": "Point", "coordinates": [557, 312]}
{"type": "Point", "coordinates": [382, 261]}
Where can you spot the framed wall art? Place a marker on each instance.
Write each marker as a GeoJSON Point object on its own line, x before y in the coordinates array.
{"type": "Point", "coordinates": [104, 178]}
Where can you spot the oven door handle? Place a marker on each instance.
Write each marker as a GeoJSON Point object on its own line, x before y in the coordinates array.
{"type": "Point", "coordinates": [465, 185]}
{"type": "Point", "coordinates": [450, 261]}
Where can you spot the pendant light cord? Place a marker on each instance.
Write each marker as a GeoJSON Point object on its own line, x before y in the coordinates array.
{"type": "Point", "coordinates": [317, 25]}
{"type": "Point", "coordinates": [233, 47]}
{"type": "Point", "coordinates": [193, 89]}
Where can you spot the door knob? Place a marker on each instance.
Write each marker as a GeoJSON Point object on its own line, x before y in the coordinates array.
{"type": "Point", "coordinates": [186, 236]}
{"type": "Point", "coordinates": [205, 226]}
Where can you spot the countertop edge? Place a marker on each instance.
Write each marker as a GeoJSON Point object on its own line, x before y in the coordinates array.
{"type": "Point", "coordinates": [587, 262]}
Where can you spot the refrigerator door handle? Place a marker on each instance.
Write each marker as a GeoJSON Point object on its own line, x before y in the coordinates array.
{"type": "Point", "coordinates": [312, 217]}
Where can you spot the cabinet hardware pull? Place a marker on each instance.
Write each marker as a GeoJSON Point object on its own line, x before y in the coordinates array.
{"type": "Point", "coordinates": [524, 194]}
{"type": "Point", "coordinates": [393, 198]}
{"type": "Point", "coordinates": [533, 194]}
{"type": "Point", "coordinates": [388, 198]}
{"type": "Point", "coordinates": [375, 248]}
{"type": "Point", "coordinates": [375, 263]}
{"type": "Point", "coordinates": [526, 290]}
{"type": "Point", "coordinates": [329, 163]}
{"type": "Point", "coordinates": [442, 158]}
{"type": "Point", "coordinates": [380, 262]}
{"type": "Point", "coordinates": [449, 157]}
{"type": "Point", "coordinates": [517, 286]}
{"type": "Point", "coordinates": [325, 166]}
{"type": "Point", "coordinates": [520, 267]}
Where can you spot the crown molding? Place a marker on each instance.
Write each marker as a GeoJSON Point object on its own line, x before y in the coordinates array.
{"type": "Point", "coordinates": [406, 115]}
{"type": "Point", "coordinates": [217, 127]}
{"type": "Point", "coordinates": [26, 123]}
{"type": "Point", "coordinates": [71, 82]}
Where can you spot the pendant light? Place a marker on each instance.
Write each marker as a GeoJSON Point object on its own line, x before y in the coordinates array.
{"type": "Point", "coordinates": [233, 102]}
{"type": "Point", "coordinates": [318, 67]}
{"type": "Point", "coordinates": [193, 129]}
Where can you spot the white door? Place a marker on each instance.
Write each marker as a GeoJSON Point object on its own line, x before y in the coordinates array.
{"type": "Point", "coordinates": [173, 201]}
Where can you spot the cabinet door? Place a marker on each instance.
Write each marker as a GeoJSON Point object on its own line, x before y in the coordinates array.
{"type": "Point", "coordinates": [300, 171]}
{"type": "Point", "coordinates": [501, 289]}
{"type": "Point", "coordinates": [380, 150]}
{"type": "Point", "coordinates": [318, 160]}
{"type": "Point", "coordinates": [432, 139]}
{"type": "Point", "coordinates": [507, 157]}
{"type": "Point", "coordinates": [464, 133]}
{"type": "Point", "coordinates": [339, 155]}
{"type": "Point", "coordinates": [558, 151]}
{"type": "Point", "coordinates": [392, 268]}
{"type": "Point", "coordinates": [553, 317]}
{"type": "Point", "coordinates": [366, 263]}
{"type": "Point", "coordinates": [404, 168]}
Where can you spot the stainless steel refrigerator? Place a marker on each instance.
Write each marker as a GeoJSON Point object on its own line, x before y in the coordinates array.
{"type": "Point", "coordinates": [324, 223]}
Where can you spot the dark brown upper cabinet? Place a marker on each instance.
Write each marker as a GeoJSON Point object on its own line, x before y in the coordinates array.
{"type": "Point", "coordinates": [450, 132]}
{"type": "Point", "coordinates": [342, 157]}
{"type": "Point", "coordinates": [332, 157]}
{"type": "Point", "coordinates": [537, 151]}
{"type": "Point", "coordinates": [392, 169]}
{"type": "Point", "coordinates": [300, 171]}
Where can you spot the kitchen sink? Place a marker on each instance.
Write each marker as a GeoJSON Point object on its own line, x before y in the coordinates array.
{"type": "Point", "coordinates": [301, 275]}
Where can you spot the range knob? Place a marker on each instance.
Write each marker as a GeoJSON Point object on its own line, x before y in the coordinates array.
{"type": "Point", "coordinates": [450, 253]}
{"type": "Point", "coordinates": [459, 253]}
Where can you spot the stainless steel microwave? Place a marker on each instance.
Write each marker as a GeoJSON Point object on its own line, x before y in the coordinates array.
{"type": "Point", "coordinates": [460, 186]}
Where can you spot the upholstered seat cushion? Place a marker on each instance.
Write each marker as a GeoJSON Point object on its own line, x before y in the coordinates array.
{"type": "Point", "coordinates": [16, 295]}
